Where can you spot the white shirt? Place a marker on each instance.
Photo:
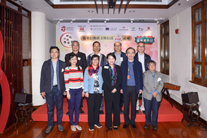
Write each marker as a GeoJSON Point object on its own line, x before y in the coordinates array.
{"type": "Point", "coordinates": [141, 59]}
{"type": "Point", "coordinates": [55, 73]}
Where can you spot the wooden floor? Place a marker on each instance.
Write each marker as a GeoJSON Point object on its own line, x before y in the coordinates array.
{"type": "Point", "coordinates": [165, 130]}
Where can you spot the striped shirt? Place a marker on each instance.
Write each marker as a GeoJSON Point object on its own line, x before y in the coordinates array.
{"type": "Point", "coordinates": [73, 78]}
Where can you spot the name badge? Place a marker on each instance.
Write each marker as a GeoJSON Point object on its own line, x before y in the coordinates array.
{"type": "Point", "coordinates": [106, 67]}
{"type": "Point", "coordinates": [121, 58]}
{"type": "Point", "coordinates": [79, 58]}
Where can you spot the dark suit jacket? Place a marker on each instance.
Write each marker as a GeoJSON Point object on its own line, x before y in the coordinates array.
{"type": "Point", "coordinates": [103, 60]}
{"type": "Point", "coordinates": [81, 62]}
{"type": "Point", "coordinates": [45, 81]}
{"type": "Point", "coordinates": [107, 87]}
{"type": "Point", "coordinates": [138, 75]}
{"type": "Point", "coordinates": [123, 55]}
{"type": "Point", "coordinates": [147, 58]}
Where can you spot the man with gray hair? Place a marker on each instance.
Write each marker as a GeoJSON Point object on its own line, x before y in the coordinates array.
{"type": "Point", "coordinates": [144, 59]}
{"type": "Point", "coordinates": [152, 95]}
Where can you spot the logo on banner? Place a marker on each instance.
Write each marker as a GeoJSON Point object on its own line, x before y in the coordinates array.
{"type": "Point", "coordinates": [118, 38]}
{"type": "Point", "coordinates": [107, 29]}
{"type": "Point", "coordinates": [123, 29]}
{"type": "Point", "coordinates": [66, 40]}
{"type": "Point", "coordinates": [133, 29]}
{"type": "Point", "coordinates": [96, 29]}
{"type": "Point", "coordinates": [81, 29]}
{"type": "Point", "coordinates": [140, 29]}
{"type": "Point", "coordinates": [145, 39]}
{"type": "Point", "coordinates": [148, 29]}
{"type": "Point", "coordinates": [111, 29]}
{"type": "Point", "coordinates": [63, 28]}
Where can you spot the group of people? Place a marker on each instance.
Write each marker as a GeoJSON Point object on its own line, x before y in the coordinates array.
{"type": "Point", "coordinates": [120, 77]}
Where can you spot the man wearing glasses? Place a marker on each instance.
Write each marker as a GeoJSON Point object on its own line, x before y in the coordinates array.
{"type": "Point", "coordinates": [120, 57]}
{"type": "Point", "coordinates": [144, 59]}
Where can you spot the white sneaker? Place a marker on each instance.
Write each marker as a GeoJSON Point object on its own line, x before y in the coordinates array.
{"type": "Point", "coordinates": [73, 128]}
{"type": "Point", "coordinates": [78, 127]}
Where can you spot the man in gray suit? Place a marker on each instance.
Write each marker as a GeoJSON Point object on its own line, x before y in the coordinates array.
{"type": "Point", "coordinates": [153, 85]}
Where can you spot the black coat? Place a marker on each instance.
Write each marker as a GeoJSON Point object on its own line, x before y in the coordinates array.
{"type": "Point", "coordinates": [107, 87]}
{"type": "Point", "coordinates": [147, 58]}
{"type": "Point", "coordinates": [81, 60]}
{"type": "Point", "coordinates": [45, 81]}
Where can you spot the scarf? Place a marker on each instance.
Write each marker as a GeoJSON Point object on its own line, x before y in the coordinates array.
{"type": "Point", "coordinates": [113, 75]}
{"type": "Point", "coordinates": [91, 70]}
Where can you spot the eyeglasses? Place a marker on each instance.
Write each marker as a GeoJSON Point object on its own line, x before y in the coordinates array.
{"type": "Point", "coordinates": [54, 52]}
{"type": "Point", "coordinates": [141, 46]}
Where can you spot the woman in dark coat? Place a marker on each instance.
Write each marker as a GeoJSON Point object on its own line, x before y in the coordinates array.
{"type": "Point", "coordinates": [112, 77]}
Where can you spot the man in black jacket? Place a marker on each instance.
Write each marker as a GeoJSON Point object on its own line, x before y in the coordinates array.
{"type": "Point", "coordinates": [81, 62]}
{"type": "Point", "coordinates": [144, 59]}
{"type": "Point", "coordinates": [52, 87]}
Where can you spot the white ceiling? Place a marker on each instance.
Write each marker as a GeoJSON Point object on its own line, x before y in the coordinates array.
{"type": "Point", "coordinates": [55, 14]}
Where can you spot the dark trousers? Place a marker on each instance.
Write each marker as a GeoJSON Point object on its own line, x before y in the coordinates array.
{"type": "Point", "coordinates": [81, 103]}
{"type": "Point", "coordinates": [151, 105]}
{"type": "Point", "coordinates": [55, 96]}
{"type": "Point", "coordinates": [93, 101]}
{"type": "Point", "coordinates": [121, 100]}
{"type": "Point", "coordinates": [74, 104]}
{"type": "Point", "coordinates": [101, 106]}
{"type": "Point", "coordinates": [131, 92]}
{"type": "Point", "coordinates": [112, 103]}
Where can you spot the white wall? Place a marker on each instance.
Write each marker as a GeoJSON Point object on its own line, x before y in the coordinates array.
{"type": "Point", "coordinates": [43, 36]}
{"type": "Point", "coordinates": [50, 37]}
{"type": "Point", "coordinates": [181, 59]}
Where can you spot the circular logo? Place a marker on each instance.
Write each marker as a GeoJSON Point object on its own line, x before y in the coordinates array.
{"type": "Point", "coordinates": [66, 40]}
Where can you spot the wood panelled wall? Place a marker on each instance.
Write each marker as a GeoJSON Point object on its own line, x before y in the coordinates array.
{"type": "Point", "coordinates": [12, 63]}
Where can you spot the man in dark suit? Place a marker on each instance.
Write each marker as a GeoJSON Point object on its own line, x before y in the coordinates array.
{"type": "Point", "coordinates": [120, 57]}
{"type": "Point", "coordinates": [102, 62]}
{"type": "Point", "coordinates": [52, 87]}
{"type": "Point", "coordinates": [81, 62]}
{"type": "Point", "coordinates": [132, 84]}
{"type": "Point", "coordinates": [144, 59]}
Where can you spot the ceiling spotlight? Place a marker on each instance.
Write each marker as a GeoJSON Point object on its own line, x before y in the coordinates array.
{"type": "Point", "coordinates": [89, 21]}
{"type": "Point", "coordinates": [187, 0]}
{"type": "Point", "coordinates": [132, 21]}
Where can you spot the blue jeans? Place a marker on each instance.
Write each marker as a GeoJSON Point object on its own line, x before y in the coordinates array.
{"type": "Point", "coordinates": [55, 96]}
{"type": "Point", "coordinates": [74, 104]}
{"type": "Point", "coordinates": [151, 105]}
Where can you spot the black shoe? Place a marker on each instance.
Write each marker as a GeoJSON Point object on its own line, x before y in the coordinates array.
{"type": "Point", "coordinates": [115, 128]}
{"type": "Point", "coordinates": [81, 111]}
{"type": "Point", "coordinates": [49, 128]}
{"type": "Point", "coordinates": [98, 125]}
{"type": "Point", "coordinates": [125, 126]}
{"type": "Point", "coordinates": [146, 126]}
{"type": "Point", "coordinates": [134, 126]}
{"type": "Point", "coordinates": [60, 128]}
{"type": "Point", "coordinates": [121, 111]}
{"type": "Point", "coordinates": [137, 111]}
{"type": "Point", "coordinates": [101, 112]}
{"type": "Point", "coordinates": [91, 128]}
{"type": "Point", "coordinates": [67, 113]}
{"type": "Point", "coordinates": [154, 127]}
{"type": "Point", "coordinates": [109, 128]}
{"type": "Point", "coordinates": [143, 111]}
